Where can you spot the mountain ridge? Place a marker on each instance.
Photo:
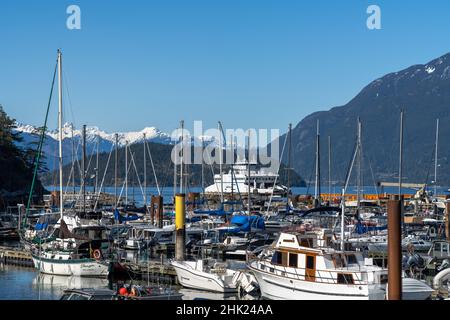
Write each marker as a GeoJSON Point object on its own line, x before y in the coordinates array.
{"type": "Point", "coordinates": [421, 90]}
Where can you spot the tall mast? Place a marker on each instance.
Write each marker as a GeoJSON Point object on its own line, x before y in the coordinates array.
{"type": "Point", "coordinates": [436, 157]}
{"type": "Point", "coordinates": [221, 161]}
{"type": "Point", "coordinates": [84, 168]}
{"type": "Point", "coordinates": [232, 171]}
{"type": "Point", "coordinates": [203, 170]}
{"type": "Point", "coordinates": [329, 167]}
{"type": "Point", "coordinates": [342, 219]}
{"type": "Point", "coordinates": [358, 191]}
{"type": "Point", "coordinates": [317, 185]}
{"type": "Point", "coordinates": [401, 156]}
{"type": "Point", "coordinates": [145, 174]}
{"type": "Point", "coordinates": [126, 175]}
{"type": "Point", "coordinates": [73, 159]}
{"type": "Point", "coordinates": [96, 165]}
{"type": "Point", "coordinates": [182, 155]}
{"type": "Point", "coordinates": [289, 165]}
{"type": "Point", "coordinates": [249, 204]}
{"type": "Point", "coordinates": [116, 160]}
{"type": "Point", "coordinates": [60, 119]}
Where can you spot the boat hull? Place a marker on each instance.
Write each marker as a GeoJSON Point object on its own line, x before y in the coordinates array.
{"type": "Point", "coordinates": [195, 279]}
{"type": "Point", "coordinates": [80, 268]}
{"type": "Point", "coordinates": [281, 288]}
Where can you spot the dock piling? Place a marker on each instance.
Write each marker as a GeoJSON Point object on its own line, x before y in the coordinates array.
{"type": "Point", "coordinates": [394, 249]}
{"type": "Point", "coordinates": [180, 216]}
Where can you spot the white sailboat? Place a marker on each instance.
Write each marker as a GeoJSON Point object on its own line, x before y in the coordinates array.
{"type": "Point", "coordinates": [67, 263]}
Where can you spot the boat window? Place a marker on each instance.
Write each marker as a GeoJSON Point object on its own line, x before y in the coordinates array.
{"type": "Point", "coordinates": [293, 259]}
{"type": "Point", "coordinates": [305, 243]}
{"type": "Point", "coordinates": [277, 257]}
{"type": "Point", "coordinates": [351, 259]}
{"type": "Point", "coordinates": [339, 262]}
{"type": "Point", "coordinates": [437, 246]}
{"type": "Point", "coordinates": [344, 278]}
{"type": "Point", "coordinates": [309, 262]}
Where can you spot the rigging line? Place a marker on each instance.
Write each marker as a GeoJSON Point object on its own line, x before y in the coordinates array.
{"type": "Point", "coordinates": [41, 143]}
{"type": "Point", "coordinates": [153, 166]}
{"type": "Point", "coordinates": [72, 170]}
{"type": "Point", "coordinates": [308, 184]}
{"type": "Point", "coordinates": [373, 176]}
{"type": "Point", "coordinates": [84, 174]}
{"type": "Point", "coordinates": [276, 177]}
{"type": "Point", "coordinates": [103, 179]}
{"type": "Point", "coordinates": [430, 165]}
{"type": "Point", "coordinates": [349, 171]}
{"type": "Point", "coordinates": [137, 174]}
{"type": "Point", "coordinates": [123, 184]}
{"type": "Point", "coordinates": [65, 77]}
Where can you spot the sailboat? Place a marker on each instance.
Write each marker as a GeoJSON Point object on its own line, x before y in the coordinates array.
{"type": "Point", "coordinates": [85, 259]}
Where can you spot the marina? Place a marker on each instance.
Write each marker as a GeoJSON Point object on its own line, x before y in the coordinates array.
{"type": "Point", "coordinates": [182, 160]}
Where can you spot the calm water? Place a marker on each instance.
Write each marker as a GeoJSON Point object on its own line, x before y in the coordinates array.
{"type": "Point", "coordinates": [136, 193]}
{"type": "Point", "coordinates": [22, 283]}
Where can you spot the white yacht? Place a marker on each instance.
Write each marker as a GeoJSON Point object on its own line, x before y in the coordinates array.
{"type": "Point", "coordinates": [262, 181]}
{"type": "Point", "coordinates": [302, 266]}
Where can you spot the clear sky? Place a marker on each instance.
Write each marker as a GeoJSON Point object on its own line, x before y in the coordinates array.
{"type": "Point", "coordinates": [248, 63]}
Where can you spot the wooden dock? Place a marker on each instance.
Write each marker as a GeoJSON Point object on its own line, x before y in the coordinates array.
{"type": "Point", "coordinates": [16, 256]}
{"type": "Point", "coordinates": [155, 272]}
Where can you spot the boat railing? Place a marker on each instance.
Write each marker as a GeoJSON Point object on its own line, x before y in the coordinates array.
{"type": "Point", "coordinates": [359, 277]}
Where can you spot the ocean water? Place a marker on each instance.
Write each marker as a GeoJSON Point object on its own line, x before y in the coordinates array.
{"type": "Point", "coordinates": [136, 194]}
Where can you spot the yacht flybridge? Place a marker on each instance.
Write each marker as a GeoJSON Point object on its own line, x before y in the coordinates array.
{"type": "Point", "coordinates": [236, 181]}
{"type": "Point", "coordinates": [302, 266]}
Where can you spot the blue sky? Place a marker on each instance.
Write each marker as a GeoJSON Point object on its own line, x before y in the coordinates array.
{"type": "Point", "coordinates": [248, 63]}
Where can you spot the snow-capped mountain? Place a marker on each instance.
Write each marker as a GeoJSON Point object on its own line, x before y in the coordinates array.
{"type": "Point", "coordinates": [93, 133]}
{"type": "Point", "coordinates": [106, 141]}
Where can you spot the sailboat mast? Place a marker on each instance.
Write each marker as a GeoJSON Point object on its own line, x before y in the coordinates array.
{"type": "Point", "coordinates": [317, 184]}
{"type": "Point", "coordinates": [221, 161]}
{"type": "Point", "coordinates": [400, 157]}
{"type": "Point", "coordinates": [232, 171]}
{"type": "Point", "coordinates": [249, 203]}
{"type": "Point", "coordinates": [96, 165]}
{"type": "Point", "coordinates": [73, 159]}
{"type": "Point", "coordinates": [342, 219]}
{"type": "Point", "coordinates": [329, 168]}
{"type": "Point", "coordinates": [60, 119]}
{"type": "Point", "coordinates": [289, 164]}
{"type": "Point", "coordinates": [436, 157]}
{"type": "Point", "coordinates": [203, 170]}
{"type": "Point", "coordinates": [116, 156]}
{"type": "Point", "coordinates": [145, 174]}
{"type": "Point", "coordinates": [84, 168]}
{"type": "Point", "coordinates": [358, 191]}
{"type": "Point", "coordinates": [126, 175]}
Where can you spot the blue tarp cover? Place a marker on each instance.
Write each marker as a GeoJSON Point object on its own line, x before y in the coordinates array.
{"type": "Point", "coordinates": [120, 218]}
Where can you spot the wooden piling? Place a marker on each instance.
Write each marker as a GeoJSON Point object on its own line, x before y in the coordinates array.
{"type": "Point", "coordinates": [394, 249]}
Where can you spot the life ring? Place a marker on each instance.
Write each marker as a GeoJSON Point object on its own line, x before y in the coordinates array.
{"type": "Point", "coordinates": [97, 254]}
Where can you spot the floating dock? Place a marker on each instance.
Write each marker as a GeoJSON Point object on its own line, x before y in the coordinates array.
{"type": "Point", "coordinates": [16, 256]}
